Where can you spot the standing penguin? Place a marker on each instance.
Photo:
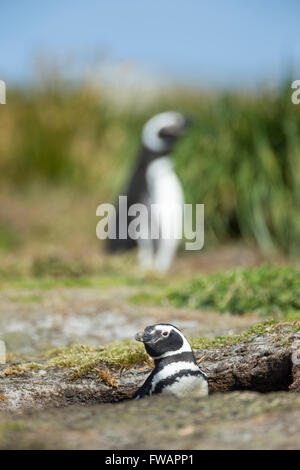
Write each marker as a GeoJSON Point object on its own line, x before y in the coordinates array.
{"type": "Point", "coordinates": [154, 182]}
{"type": "Point", "coordinates": [176, 371]}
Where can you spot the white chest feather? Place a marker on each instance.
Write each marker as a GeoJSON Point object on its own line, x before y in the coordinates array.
{"type": "Point", "coordinates": [165, 200]}
{"type": "Point", "coordinates": [188, 386]}
{"type": "Point", "coordinates": [163, 184]}
{"type": "Point", "coordinates": [176, 383]}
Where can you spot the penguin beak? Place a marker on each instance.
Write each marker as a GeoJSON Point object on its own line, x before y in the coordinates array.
{"type": "Point", "coordinates": [145, 337]}
{"type": "Point", "coordinates": [139, 336]}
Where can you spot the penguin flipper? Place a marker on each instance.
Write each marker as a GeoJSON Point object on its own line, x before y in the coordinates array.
{"type": "Point", "coordinates": [145, 389]}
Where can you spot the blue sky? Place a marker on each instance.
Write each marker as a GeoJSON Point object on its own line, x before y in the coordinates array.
{"type": "Point", "coordinates": [223, 42]}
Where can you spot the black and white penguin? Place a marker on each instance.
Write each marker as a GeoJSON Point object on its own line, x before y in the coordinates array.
{"type": "Point", "coordinates": [176, 371]}
{"type": "Point", "coordinates": [154, 181]}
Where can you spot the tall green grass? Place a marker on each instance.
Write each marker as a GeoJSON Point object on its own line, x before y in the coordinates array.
{"type": "Point", "coordinates": [241, 159]}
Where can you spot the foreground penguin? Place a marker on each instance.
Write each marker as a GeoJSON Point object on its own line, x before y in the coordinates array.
{"type": "Point", "coordinates": [154, 181]}
{"type": "Point", "coordinates": [176, 371]}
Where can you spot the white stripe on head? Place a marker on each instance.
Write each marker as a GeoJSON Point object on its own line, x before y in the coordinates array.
{"type": "Point", "coordinates": [185, 346]}
{"type": "Point", "coordinates": [150, 137]}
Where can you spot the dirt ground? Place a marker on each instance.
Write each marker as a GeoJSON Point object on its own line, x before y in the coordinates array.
{"type": "Point", "coordinates": [237, 420]}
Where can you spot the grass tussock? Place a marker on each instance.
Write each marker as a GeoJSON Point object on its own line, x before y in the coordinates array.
{"type": "Point", "coordinates": [241, 158]}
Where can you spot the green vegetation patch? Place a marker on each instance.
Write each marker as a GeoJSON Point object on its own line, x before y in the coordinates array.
{"type": "Point", "coordinates": [268, 290]}
{"type": "Point", "coordinates": [18, 369]}
{"type": "Point", "coordinates": [83, 359]}
{"type": "Point", "coordinates": [260, 329]}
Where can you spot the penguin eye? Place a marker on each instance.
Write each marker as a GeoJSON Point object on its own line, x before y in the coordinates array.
{"type": "Point", "coordinates": [165, 333]}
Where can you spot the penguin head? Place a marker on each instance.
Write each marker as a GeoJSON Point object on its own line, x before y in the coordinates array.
{"type": "Point", "coordinates": [162, 340]}
{"type": "Point", "coordinates": [162, 131]}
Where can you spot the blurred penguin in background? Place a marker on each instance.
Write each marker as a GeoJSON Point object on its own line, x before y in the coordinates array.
{"type": "Point", "coordinates": [154, 182]}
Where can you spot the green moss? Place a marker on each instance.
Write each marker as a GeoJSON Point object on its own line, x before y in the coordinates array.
{"type": "Point", "coordinates": [83, 359]}
{"type": "Point", "coordinates": [260, 329]}
{"type": "Point", "coordinates": [21, 368]}
{"type": "Point", "coordinates": [268, 290]}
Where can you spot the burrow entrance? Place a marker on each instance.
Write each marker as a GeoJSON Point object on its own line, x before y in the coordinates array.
{"type": "Point", "coordinates": [270, 373]}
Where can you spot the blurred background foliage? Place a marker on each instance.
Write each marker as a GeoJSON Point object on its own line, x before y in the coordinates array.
{"type": "Point", "coordinates": [66, 147]}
